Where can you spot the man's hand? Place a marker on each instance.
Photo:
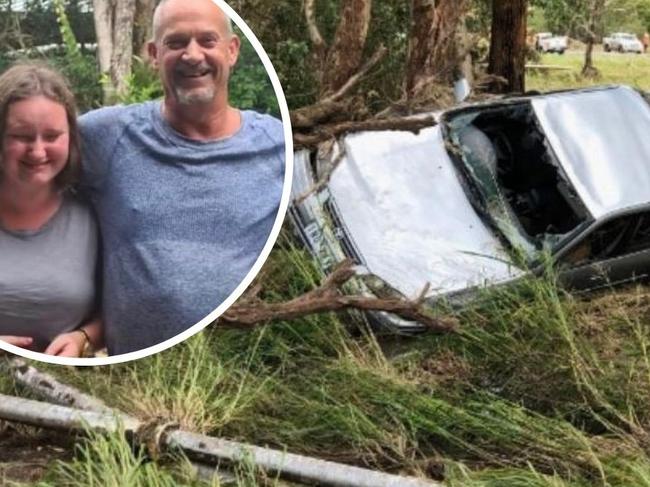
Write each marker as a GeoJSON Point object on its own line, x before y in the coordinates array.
{"type": "Point", "coordinates": [67, 345]}
{"type": "Point", "coordinates": [18, 341]}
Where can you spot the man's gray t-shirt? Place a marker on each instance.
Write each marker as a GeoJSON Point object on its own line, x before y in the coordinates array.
{"type": "Point", "coordinates": [47, 276]}
{"type": "Point", "coordinates": [182, 221]}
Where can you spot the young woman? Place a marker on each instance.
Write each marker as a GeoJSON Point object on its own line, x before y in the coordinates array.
{"type": "Point", "coordinates": [48, 238]}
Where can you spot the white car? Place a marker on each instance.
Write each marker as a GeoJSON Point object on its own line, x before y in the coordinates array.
{"type": "Point", "coordinates": [622, 42]}
{"type": "Point", "coordinates": [547, 42]}
{"type": "Point", "coordinates": [480, 197]}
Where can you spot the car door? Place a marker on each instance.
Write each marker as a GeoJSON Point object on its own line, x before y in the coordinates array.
{"type": "Point", "coordinates": [616, 251]}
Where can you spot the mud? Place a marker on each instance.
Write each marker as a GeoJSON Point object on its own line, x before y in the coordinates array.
{"type": "Point", "coordinates": [26, 454]}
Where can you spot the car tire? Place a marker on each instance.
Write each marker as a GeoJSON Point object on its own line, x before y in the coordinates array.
{"type": "Point", "coordinates": [561, 51]}
{"type": "Point", "coordinates": [607, 49]}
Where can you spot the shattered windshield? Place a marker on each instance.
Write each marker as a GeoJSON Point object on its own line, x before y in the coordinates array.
{"type": "Point", "coordinates": [516, 182]}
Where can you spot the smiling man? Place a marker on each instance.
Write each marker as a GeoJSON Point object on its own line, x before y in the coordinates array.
{"type": "Point", "coordinates": [186, 189]}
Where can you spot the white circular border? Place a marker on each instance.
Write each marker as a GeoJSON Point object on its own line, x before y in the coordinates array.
{"type": "Point", "coordinates": [239, 290]}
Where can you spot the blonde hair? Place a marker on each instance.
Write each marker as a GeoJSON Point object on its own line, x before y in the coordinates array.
{"type": "Point", "coordinates": [25, 80]}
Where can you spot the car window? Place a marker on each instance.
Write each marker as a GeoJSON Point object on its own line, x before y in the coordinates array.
{"type": "Point", "coordinates": [523, 190]}
{"type": "Point", "coordinates": [617, 237]}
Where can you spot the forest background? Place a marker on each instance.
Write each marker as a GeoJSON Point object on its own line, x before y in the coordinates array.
{"type": "Point", "coordinates": [536, 387]}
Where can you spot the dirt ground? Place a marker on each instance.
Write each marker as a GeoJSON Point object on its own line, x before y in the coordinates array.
{"type": "Point", "coordinates": [27, 453]}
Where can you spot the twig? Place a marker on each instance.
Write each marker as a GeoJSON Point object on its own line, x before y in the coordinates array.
{"type": "Point", "coordinates": [326, 298]}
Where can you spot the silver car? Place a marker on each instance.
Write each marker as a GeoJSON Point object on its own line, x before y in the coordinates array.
{"type": "Point", "coordinates": [480, 198]}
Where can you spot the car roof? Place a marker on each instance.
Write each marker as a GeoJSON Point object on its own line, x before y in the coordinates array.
{"type": "Point", "coordinates": [600, 137]}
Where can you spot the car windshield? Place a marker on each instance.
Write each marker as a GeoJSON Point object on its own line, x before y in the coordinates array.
{"type": "Point", "coordinates": [514, 178]}
{"type": "Point", "coordinates": [628, 37]}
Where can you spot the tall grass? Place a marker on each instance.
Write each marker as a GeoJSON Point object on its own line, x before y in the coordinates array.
{"type": "Point", "coordinates": [537, 387]}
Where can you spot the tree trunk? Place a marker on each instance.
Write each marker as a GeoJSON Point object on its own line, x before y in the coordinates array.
{"type": "Point", "coordinates": [122, 54]}
{"type": "Point", "coordinates": [508, 45]}
{"type": "Point", "coordinates": [588, 68]}
{"type": "Point", "coordinates": [346, 52]}
{"type": "Point", "coordinates": [142, 26]}
{"type": "Point", "coordinates": [432, 50]}
{"type": "Point", "coordinates": [102, 15]}
{"type": "Point", "coordinates": [114, 29]}
{"type": "Point", "coordinates": [596, 9]}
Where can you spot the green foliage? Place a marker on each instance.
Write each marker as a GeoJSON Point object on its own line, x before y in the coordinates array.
{"type": "Point", "coordinates": [250, 86]}
{"type": "Point", "coordinates": [143, 83]}
{"type": "Point", "coordinates": [81, 70]}
{"type": "Point", "coordinates": [571, 17]}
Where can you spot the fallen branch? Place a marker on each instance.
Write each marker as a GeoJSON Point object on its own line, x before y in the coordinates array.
{"type": "Point", "coordinates": [328, 297]}
{"type": "Point", "coordinates": [204, 448]}
{"type": "Point", "coordinates": [307, 117]}
{"type": "Point", "coordinates": [547, 67]}
{"type": "Point", "coordinates": [325, 132]}
{"type": "Point", "coordinates": [49, 388]}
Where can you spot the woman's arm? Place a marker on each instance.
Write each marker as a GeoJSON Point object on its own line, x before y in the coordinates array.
{"type": "Point", "coordinates": [19, 341]}
{"type": "Point", "coordinates": [73, 343]}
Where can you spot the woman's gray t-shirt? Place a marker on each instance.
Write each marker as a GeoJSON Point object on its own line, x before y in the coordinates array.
{"type": "Point", "coordinates": [47, 276]}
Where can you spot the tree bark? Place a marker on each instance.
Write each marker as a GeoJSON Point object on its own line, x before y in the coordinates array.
{"type": "Point", "coordinates": [142, 26]}
{"type": "Point", "coordinates": [596, 9]}
{"type": "Point", "coordinates": [346, 52]}
{"type": "Point", "coordinates": [103, 18]}
{"type": "Point", "coordinates": [114, 29]}
{"type": "Point", "coordinates": [508, 45]}
{"type": "Point", "coordinates": [122, 54]}
{"type": "Point", "coordinates": [432, 50]}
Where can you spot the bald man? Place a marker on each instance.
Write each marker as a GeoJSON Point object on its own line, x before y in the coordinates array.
{"type": "Point", "coordinates": [186, 189]}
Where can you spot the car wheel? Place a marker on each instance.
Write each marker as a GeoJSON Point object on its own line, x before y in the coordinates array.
{"type": "Point", "coordinates": [607, 49]}
{"type": "Point", "coordinates": [561, 51]}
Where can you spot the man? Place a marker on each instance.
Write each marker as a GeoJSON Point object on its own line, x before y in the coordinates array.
{"type": "Point", "coordinates": [186, 190]}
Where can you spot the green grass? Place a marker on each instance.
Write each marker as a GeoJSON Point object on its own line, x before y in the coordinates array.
{"type": "Point", "coordinates": [615, 68]}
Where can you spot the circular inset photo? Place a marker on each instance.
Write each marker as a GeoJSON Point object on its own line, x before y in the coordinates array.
{"type": "Point", "coordinates": [142, 183]}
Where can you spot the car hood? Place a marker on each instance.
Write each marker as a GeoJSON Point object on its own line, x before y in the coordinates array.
{"type": "Point", "coordinates": [400, 201]}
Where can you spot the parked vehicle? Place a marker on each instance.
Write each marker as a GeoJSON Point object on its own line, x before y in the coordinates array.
{"type": "Point", "coordinates": [547, 42]}
{"type": "Point", "coordinates": [478, 199]}
{"type": "Point", "coordinates": [622, 42]}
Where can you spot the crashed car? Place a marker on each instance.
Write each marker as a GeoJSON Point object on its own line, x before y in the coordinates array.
{"type": "Point", "coordinates": [485, 196]}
